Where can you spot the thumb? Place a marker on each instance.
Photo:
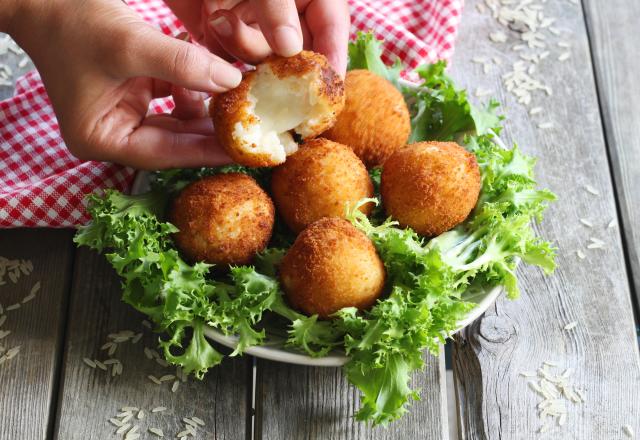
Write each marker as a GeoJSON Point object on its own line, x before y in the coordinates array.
{"type": "Point", "coordinates": [184, 64]}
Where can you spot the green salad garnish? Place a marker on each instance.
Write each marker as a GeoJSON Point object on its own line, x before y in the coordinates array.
{"type": "Point", "coordinates": [430, 282]}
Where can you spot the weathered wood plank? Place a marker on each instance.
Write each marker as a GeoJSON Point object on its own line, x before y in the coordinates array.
{"type": "Point", "coordinates": [29, 380]}
{"type": "Point", "coordinates": [296, 402]}
{"type": "Point", "coordinates": [517, 336]}
{"type": "Point", "coordinates": [611, 28]}
{"type": "Point", "coordinates": [89, 397]}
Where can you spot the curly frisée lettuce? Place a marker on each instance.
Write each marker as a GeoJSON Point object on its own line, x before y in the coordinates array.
{"type": "Point", "coordinates": [431, 284]}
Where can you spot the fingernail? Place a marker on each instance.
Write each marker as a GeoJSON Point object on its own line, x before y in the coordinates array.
{"type": "Point", "coordinates": [225, 75]}
{"type": "Point", "coordinates": [287, 41]}
{"type": "Point", "coordinates": [221, 26]}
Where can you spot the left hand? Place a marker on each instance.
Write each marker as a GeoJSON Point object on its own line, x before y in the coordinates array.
{"type": "Point", "coordinates": [250, 30]}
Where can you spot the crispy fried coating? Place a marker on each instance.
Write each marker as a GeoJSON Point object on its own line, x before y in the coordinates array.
{"type": "Point", "coordinates": [319, 180]}
{"type": "Point", "coordinates": [430, 186]}
{"type": "Point", "coordinates": [222, 219]}
{"type": "Point", "coordinates": [375, 120]}
{"type": "Point", "coordinates": [255, 122]}
{"type": "Point", "coordinates": [332, 265]}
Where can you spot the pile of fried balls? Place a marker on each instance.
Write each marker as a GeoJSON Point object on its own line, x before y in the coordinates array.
{"type": "Point", "coordinates": [321, 134]}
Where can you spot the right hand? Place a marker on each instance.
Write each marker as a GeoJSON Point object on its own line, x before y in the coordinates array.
{"type": "Point", "coordinates": [102, 65]}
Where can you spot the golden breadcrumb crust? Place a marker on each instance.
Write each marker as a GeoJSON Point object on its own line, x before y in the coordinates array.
{"type": "Point", "coordinates": [375, 119]}
{"type": "Point", "coordinates": [430, 186]}
{"type": "Point", "coordinates": [319, 180]}
{"type": "Point", "coordinates": [229, 108]}
{"type": "Point", "coordinates": [223, 219]}
{"type": "Point", "coordinates": [332, 265]}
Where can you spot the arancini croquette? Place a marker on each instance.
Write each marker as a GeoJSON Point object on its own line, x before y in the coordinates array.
{"type": "Point", "coordinates": [222, 219]}
{"type": "Point", "coordinates": [331, 265]}
{"type": "Point", "coordinates": [375, 120]}
{"type": "Point", "coordinates": [319, 180]}
{"type": "Point", "coordinates": [430, 186]}
{"type": "Point", "coordinates": [256, 122]}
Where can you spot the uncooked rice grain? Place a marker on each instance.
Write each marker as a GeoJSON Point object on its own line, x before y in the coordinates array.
{"type": "Point", "coordinates": [123, 428]}
{"type": "Point", "coordinates": [174, 387]}
{"type": "Point", "coordinates": [167, 377]}
{"type": "Point", "coordinates": [129, 409]}
{"type": "Point", "coordinates": [581, 254]}
{"type": "Point", "coordinates": [140, 415]}
{"type": "Point", "coordinates": [188, 421]}
{"type": "Point", "coordinates": [590, 189]}
{"type": "Point", "coordinates": [111, 361]}
{"type": "Point", "coordinates": [564, 56]}
{"type": "Point", "coordinates": [100, 365]}
{"type": "Point", "coordinates": [154, 379]}
{"type": "Point", "coordinates": [586, 222]}
{"type": "Point", "coordinates": [545, 125]}
{"type": "Point", "coordinates": [198, 420]}
{"type": "Point", "coordinates": [13, 307]}
{"type": "Point", "coordinates": [3, 318]}
{"type": "Point", "coordinates": [156, 431]}
{"type": "Point", "coordinates": [570, 325]}
{"type": "Point", "coordinates": [4, 333]}
{"type": "Point", "coordinates": [136, 338]}
{"type": "Point", "coordinates": [158, 409]}
{"type": "Point", "coordinates": [162, 362]}
{"type": "Point", "coordinates": [612, 223]}
{"type": "Point", "coordinates": [628, 431]}
{"type": "Point", "coordinates": [115, 422]}
{"type": "Point", "coordinates": [89, 362]}
{"type": "Point", "coordinates": [146, 323]}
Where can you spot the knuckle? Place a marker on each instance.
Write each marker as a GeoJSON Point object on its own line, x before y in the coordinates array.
{"type": "Point", "coordinates": [184, 59]}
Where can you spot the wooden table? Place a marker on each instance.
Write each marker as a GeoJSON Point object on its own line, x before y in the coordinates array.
{"type": "Point", "coordinates": [49, 392]}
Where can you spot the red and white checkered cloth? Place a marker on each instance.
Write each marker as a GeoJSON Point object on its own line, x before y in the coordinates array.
{"type": "Point", "coordinates": [42, 184]}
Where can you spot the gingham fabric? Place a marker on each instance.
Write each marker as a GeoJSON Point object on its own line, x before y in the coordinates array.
{"type": "Point", "coordinates": [41, 184]}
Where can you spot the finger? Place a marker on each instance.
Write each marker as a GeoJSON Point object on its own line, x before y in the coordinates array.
{"type": "Point", "coordinates": [189, 13]}
{"type": "Point", "coordinates": [155, 148]}
{"type": "Point", "coordinates": [159, 56]}
{"type": "Point", "coordinates": [242, 41]}
{"type": "Point", "coordinates": [189, 104]}
{"type": "Point", "coordinates": [280, 25]}
{"type": "Point", "coordinates": [202, 125]}
{"type": "Point", "coordinates": [306, 35]}
{"type": "Point", "coordinates": [329, 22]}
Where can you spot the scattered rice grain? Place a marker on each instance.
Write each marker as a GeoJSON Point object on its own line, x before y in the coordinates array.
{"type": "Point", "coordinates": [586, 222]}
{"type": "Point", "coordinates": [174, 387]}
{"type": "Point", "coordinates": [590, 189]}
{"type": "Point", "coordinates": [612, 223]}
{"type": "Point", "coordinates": [167, 377]}
{"type": "Point", "coordinates": [581, 254]}
{"type": "Point", "coordinates": [545, 125]}
{"type": "Point", "coordinates": [154, 379]}
{"type": "Point", "coordinates": [564, 56]}
{"type": "Point", "coordinates": [158, 409]}
{"type": "Point", "coordinates": [140, 415]}
{"type": "Point", "coordinates": [89, 362]}
{"type": "Point", "coordinates": [13, 307]}
{"type": "Point", "coordinates": [123, 428]}
{"type": "Point", "coordinates": [146, 323]}
{"type": "Point", "coordinates": [115, 422]}
{"type": "Point", "coordinates": [188, 421]}
{"type": "Point", "coordinates": [198, 420]}
{"type": "Point", "coordinates": [136, 338]}
{"type": "Point", "coordinates": [570, 325]}
{"type": "Point", "coordinates": [628, 431]}
{"type": "Point", "coordinates": [157, 432]}
{"type": "Point", "coordinates": [100, 365]}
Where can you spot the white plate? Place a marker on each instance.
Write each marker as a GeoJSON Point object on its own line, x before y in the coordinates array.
{"type": "Point", "coordinates": [273, 349]}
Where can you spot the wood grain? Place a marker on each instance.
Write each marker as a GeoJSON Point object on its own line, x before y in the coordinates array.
{"type": "Point", "coordinates": [612, 26]}
{"type": "Point", "coordinates": [296, 402]}
{"type": "Point", "coordinates": [89, 396]}
{"type": "Point", "coordinates": [516, 336]}
{"type": "Point", "coordinates": [28, 382]}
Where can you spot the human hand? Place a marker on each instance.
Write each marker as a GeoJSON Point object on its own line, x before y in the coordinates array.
{"type": "Point", "coordinates": [102, 64]}
{"type": "Point", "coordinates": [249, 30]}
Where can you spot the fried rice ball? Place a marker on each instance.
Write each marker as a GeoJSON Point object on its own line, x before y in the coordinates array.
{"type": "Point", "coordinates": [256, 122]}
{"type": "Point", "coordinates": [331, 265]}
{"type": "Point", "coordinates": [222, 219]}
{"type": "Point", "coordinates": [430, 186]}
{"type": "Point", "coordinates": [319, 180]}
{"type": "Point", "coordinates": [375, 120]}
